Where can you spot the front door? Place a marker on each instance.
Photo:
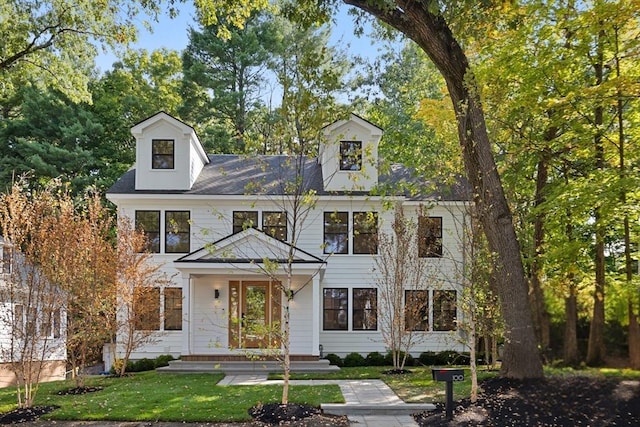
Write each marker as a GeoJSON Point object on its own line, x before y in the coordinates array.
{"type": "Point", "coordinates": [255, 313]}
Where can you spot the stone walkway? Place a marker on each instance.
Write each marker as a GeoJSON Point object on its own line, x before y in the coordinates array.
{"type": "Point", "coordinates": [369, 403]}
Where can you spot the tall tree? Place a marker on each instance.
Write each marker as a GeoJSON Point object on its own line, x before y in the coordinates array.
{"type": "Point", "coordinates": [427, 25]}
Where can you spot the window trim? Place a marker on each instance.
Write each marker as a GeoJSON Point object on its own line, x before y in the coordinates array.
{"type": "Point", "coordinates": [282, 226]}
{"type": "Point", "coordinates": [152, 318]}
{"type": "Point", "coordinates": [237, 228]}
{"type": "Point", "coordinates": [425, 310]}
{"type": "Point", "coordinates": [430, 246]}
{"type": "Point", "coordinates": [337, 309]}
{"type": "Point", "coordinates": [168, 232]}
{"type": "Point", "coordinates": [360, 230]}
{"type": "Point", "coordinates": [150, 247]}
{"type": "Point", "coordinates": [453, 310]}
{"type": "Point", "coordinates": [374, 310]}
{"type": "Point", "coordinates": [175, 309]}
{"type": "Point", "coordinates": [348, 159]}
{"type": "Point", "coordinates": [157, 157]}
{"type": "Point", "coordinates": [331, 215]}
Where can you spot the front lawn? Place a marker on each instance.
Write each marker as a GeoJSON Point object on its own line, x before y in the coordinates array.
{"type": "Point", "coordinates": [149, 396]}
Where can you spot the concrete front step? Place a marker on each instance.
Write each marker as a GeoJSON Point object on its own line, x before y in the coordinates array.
{"type": "Point", "coordinates": [382, 409]}
{"type": "Point", "coordinates": [245, 367]}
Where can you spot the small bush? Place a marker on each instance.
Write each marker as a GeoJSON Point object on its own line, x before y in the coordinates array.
{"type": "Point", "coordinates": [334, 359]}
{"type": "Point", "coordinates": [142, 365]}
{"type": "Point", "coordinates": [354, 359]}
{"type": "Point", "coordinates": [375, 359]}
{"type": "Point", "coordinates": [428, 358]}
{"type": "Point", "coordinates": [163, 360]}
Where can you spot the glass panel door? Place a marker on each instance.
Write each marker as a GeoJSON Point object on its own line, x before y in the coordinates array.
{"type": "Point", "coordinates": [254, 319]}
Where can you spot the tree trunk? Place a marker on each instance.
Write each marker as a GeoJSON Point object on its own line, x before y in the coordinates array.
{"type": "Point", "coordinates": [570, 352]}
{"type": "Point", "coordinates": [596, 349]}
{"type": "Point", "coordinates": [432, 33]}
{"type": "Point", "coordinates": [540, 314]}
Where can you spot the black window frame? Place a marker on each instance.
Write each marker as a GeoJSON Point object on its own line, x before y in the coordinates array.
{"type": "Point", "coordinates": [241, 220]}
{"type": "Point", "coordinates": [179, 229]}
{"type": "Point", "coordinates": [334, 229]}
{"type": "Point", "coordinates": [350, 155]}
{"type": "Point", "coordinates": [365, 233]}
{"type": "Point", "coordinates": [335, 309]}
{"type": "Point", "coordinates": [153, 236]}
{"type": "Point", "coordinates": [445, 311]}
{"type": "Point", "coordinates": [7, 253]}
{"type": "Point", "coordinates": [430, 237]}
{"type": "Point", "coordinates": [163, 158]}
{"type": "Point", "coordinates": [172, 309]}
{"type": "Point", "coordinates": [359, 315]}
{"type": "Point", "coordinates": [416, 319]}
{"type": "Point", "coordinates": [279, 229]}
{"type": "Point", "coordinates": [149, 318]}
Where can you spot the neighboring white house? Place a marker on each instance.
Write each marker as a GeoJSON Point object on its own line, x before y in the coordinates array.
{"type": "Point", "coordinates": [32, 325]}
{"type": "Point", "coordinates": [213, 220]}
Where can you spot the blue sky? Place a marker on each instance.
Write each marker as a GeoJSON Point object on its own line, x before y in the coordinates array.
{"type": "Point", "coordinates": [172, 34]}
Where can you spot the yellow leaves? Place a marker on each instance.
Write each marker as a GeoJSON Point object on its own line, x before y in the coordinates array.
{"type": "Point", "coordinates": [226, 13]}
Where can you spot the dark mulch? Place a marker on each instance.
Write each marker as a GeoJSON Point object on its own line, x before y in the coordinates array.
{"type": "Point", "coordinates": [396, 372]}
{"type": "Point", "coordinates": [554, 401]}
{"type": "Point", "coordinates": [78, 390]}
{"type": "Point", "coordinates": [293, 414]}
{"type": "Point", "coordinates": [24, 415]}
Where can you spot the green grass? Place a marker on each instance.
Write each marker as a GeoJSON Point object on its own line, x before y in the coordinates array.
{"type": "Point", "coordinates": [150, 396]}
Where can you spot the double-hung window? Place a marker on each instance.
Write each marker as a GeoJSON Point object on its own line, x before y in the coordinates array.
{"type": "Point", "coordinates": [350, 155]}
{"type": "Point", "coordinates": [336, 233]}
{"type": "Point", "coordinates": [335, 309]}
{"type": "Point", "coordinates": [177, 232]}
{"type": "Point", "coordinates": [444, 310]}
{"type": "Point", "coordinates": [365, 309]}
{"type": "Point", "coordinates": [172, 309]}
{"type": "Point", "coordinates": [365, 232]}
{"type": "Point", "coordinates": [162, 154]}
{"type": "Point", "coordinates": [6, 260]}
{"type": "Point", "coordinates": [416, 310]}
{"type": "Point", "coordinates": [149, 223]}
{"type": "Point", "coordinates": [146, 306]}
{"type": "Point", "coordinates": [275, 224]}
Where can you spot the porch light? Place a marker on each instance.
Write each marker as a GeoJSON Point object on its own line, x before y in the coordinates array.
{"type": "Point", "coordinates": [216, 293]}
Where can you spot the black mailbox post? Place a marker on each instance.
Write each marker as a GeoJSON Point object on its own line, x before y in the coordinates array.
{"type": "Point", "coordinates": [449, 375]}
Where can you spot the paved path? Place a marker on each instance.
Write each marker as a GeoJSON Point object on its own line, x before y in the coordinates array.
{"type": "Point", "coordinates": [369, 403]}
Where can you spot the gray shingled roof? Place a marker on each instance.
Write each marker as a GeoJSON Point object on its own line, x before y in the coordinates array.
{"type": "Point", "coordinates": [229, 174]}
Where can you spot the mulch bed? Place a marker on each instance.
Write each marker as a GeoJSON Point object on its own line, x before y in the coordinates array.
{"type": "Point", "coordinates": [554, 401]}
{"type": "Point", "coordinates": [24, 415]}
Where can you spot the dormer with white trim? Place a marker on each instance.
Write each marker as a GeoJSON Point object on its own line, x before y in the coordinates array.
{"type": "Point", "coordinates": [348, 154]}
{"type": "Point", "coordinates": [169, 155]}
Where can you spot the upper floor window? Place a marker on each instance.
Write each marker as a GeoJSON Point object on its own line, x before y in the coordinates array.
{"type": "Point", "coordinates": [365, 309]}
{"type": "Point", "coordinates": [365, 232]}
{"type": "Point", "coordinates": [335, 309]}
{"type": "Point", "coordinates": [149, 223]}
{"type": "Point", "coordinates": [350, 155]}
{"type": "Point", "coordinates": [429, 236]}
{"type": "Point", "coordinates": [275, 224]}
{"type": "Point", "coordinates": [243, 220]}
{"type": "Point", "coordinates": [444, 310]}
{"type": "Point", "coordinates": [162, 153]}
{"type": "Point", "coordinates": [177, 232]}
{"type": "Point", "coordinates": [336, 232]}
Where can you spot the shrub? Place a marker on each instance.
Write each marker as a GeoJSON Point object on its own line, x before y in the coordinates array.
{"type": "Point", "coordinates": [334, 359]}
{"type": "Point", "coordinates": [163, 360]}
{"type": "Point", "coordinates": [142, 365]}
{"type": "Point", "coordinates": [429, 358]}
{"type": "Point", "coordinates": [354, 359]}
{"type": "Point", "coordinates": [375, 359]}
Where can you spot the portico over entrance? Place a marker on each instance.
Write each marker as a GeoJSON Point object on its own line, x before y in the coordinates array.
{"type": "Point", "coordinates": [235, 291]}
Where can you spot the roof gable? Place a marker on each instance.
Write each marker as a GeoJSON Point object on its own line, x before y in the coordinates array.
{"type": "Point", "coordinates": [249, 246]}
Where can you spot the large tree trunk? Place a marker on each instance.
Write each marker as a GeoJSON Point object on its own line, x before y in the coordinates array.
{"type": "Point", "coordinates": [570, 352]}
{"type": "Point", "coordinates": [433, 35]}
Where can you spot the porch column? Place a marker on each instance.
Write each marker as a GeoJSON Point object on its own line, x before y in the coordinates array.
{"type": "Point", "coordinates": [187, 290]}
{"type": "Point", "coordinates": [315, 324]}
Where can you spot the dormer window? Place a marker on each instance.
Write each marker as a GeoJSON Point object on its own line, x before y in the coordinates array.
{"type": "Point", "coordinates": [162, 153]}
{"type": "Point", "coordinates": [350, 155]}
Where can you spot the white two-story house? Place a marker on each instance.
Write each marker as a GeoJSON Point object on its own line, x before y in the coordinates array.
{"type": "Point", "coordinates": [213, 221]}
